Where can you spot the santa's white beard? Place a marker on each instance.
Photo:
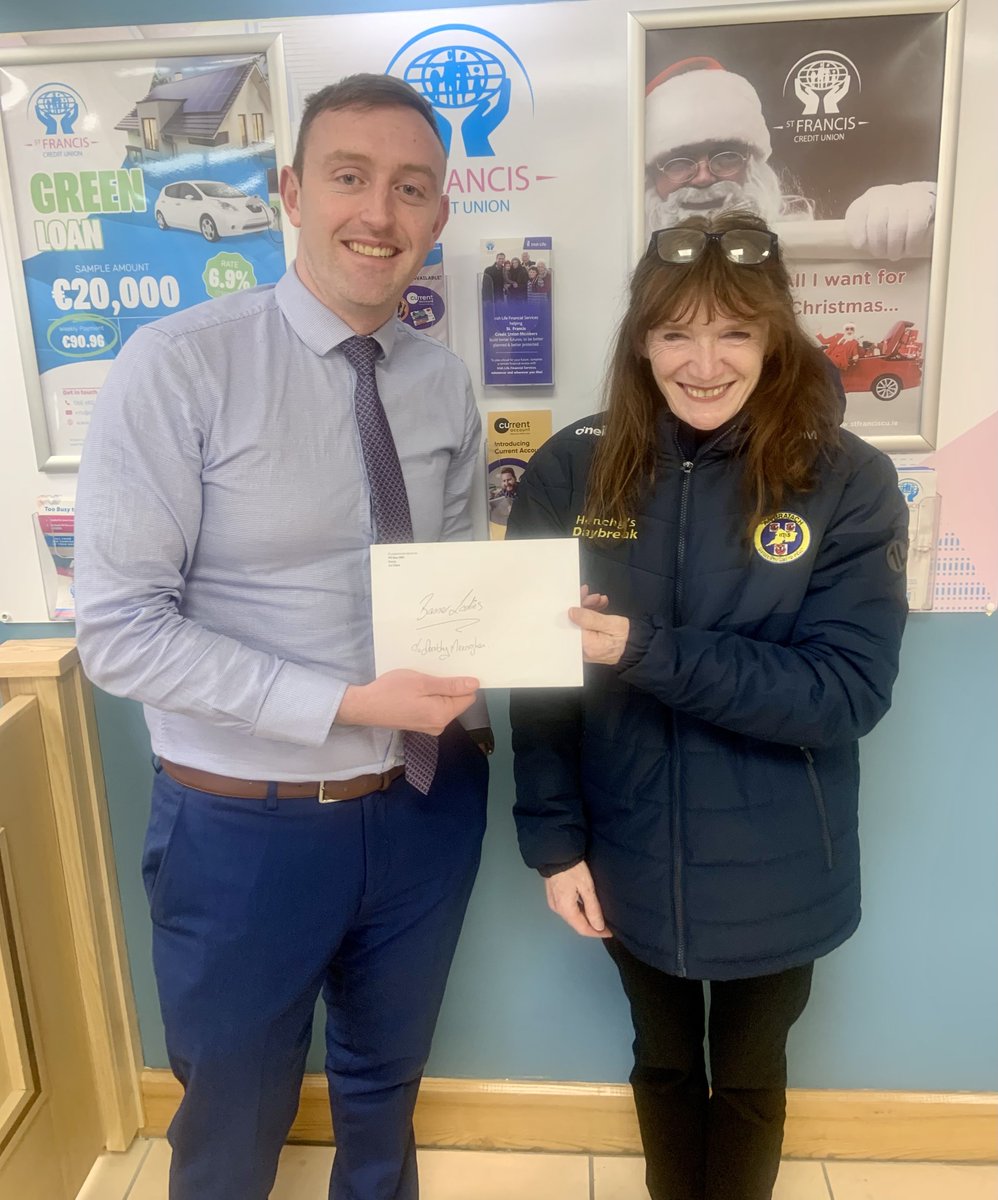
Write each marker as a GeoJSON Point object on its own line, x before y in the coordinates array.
{"type": "Point", "coordinates": [760, 193]}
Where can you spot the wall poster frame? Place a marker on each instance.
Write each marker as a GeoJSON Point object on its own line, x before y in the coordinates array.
{"type": "Point", "coordinates": [837, 122]}
{"type": "Point", "coordinates": [136, 178]}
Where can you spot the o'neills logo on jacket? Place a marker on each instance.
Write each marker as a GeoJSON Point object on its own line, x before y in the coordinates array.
{"type": "Point", "coordinates": [607, 529]}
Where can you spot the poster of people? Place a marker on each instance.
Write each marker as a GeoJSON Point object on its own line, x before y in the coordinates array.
{"type": "Point", "coordinates": [423, 305]}
{"type": "Point", "coordinates": [511, 440]}
{"type": "Point", "coordinates": [830, 130]}
{"type": "Point", "coordinates": [517, 282]}
{"type": "Point", "coordinates": [138, 187]}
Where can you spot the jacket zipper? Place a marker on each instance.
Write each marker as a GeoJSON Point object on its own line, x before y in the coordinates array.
{"type": "Point", "coordinates": [677, 857]}
{"type": "Point", "coordinates": [819, 801]}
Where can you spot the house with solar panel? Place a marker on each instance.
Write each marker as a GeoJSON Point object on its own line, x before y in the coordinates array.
{"type": "Point", "coordinates": [228, 106]}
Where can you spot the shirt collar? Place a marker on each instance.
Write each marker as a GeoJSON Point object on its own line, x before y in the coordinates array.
{"type": "Point", "coordinates": [318, 326]}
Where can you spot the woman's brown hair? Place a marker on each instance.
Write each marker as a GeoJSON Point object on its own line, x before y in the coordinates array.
{"type": "Point", "coordinates": [792, 416]}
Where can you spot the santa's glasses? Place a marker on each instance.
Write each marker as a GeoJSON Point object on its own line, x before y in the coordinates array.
{"type": "Point", "coordinates": [746, 247]}
{"type": "Point", "coordinates": [723, 165]}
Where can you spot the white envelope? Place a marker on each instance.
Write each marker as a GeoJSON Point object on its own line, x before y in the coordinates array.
{"type": "Point", "coordinates": [494, 610]}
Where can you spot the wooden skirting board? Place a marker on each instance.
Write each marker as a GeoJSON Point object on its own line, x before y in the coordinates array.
{"type": "Point", "coordinates": [598, 1118]}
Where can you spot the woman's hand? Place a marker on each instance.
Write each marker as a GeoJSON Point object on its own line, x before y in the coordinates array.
{"type": "Point", "coordinates": [595, 600]}
{"type": "Point", "coordinates": [572, 895]}
{"type": "Point", "coordinates": [603, 636]}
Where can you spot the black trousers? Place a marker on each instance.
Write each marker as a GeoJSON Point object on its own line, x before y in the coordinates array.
{"type": "Point", "coordinates": [721, 1143]}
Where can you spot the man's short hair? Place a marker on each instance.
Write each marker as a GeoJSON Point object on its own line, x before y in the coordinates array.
{"type": "Point", "coordinates": [362, 91]}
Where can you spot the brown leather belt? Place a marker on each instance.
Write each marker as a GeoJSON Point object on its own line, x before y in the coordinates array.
{"type": "Point", "coordinates": [326, 791]}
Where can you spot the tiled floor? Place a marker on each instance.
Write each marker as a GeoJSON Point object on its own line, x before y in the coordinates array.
{"type": "Point", "coordinates": [141, 1174]}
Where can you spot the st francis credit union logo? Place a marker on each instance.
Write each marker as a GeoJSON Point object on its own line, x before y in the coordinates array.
{"type": "Point", "coordinates": [822, 82]}
{"type": "Point", "coordinates": [474, 81]}
{"type": "Point", "coordinates": [58, 107]}
{"type": "Point", "coordinates": [468, 75]}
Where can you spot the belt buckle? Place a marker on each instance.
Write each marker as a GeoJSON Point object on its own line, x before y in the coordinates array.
{"type": "Point", "coordinates": [323, 798]}
{"type": "Point", "coordinates": [379, 785]}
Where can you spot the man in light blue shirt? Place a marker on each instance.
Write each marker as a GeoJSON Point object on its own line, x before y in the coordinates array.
{"type": "Point", "coordinates": [224, 515]}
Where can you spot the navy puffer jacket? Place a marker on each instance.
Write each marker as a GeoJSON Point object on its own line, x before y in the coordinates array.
{"type": "Point", "coordinates": [711, 779]}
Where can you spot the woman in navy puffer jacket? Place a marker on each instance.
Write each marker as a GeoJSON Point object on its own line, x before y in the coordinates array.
{"type": "Point", "coordinates": [695, 805]}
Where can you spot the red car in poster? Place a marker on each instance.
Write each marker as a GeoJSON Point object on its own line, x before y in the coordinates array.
{"type": "Point", "coordinates": [886, 368]}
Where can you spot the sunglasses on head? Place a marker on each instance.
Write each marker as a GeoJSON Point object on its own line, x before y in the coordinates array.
{"type": "Point", "coordinates": [746, 247]}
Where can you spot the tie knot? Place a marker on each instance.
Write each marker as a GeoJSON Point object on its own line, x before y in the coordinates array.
{"type": "Point", "coordinates": [361, 353]}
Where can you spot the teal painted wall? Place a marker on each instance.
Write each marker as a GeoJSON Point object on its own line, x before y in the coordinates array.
{"type": "Point", "coordinates": [908, 1003]}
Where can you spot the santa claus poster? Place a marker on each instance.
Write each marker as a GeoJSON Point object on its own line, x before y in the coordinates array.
{"type": "Point", "coordinates": [830, 128]}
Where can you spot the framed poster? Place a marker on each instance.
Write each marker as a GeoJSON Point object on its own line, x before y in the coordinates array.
{"type": "Point", "coordinates": [837, 124]}
{"type": "Point", "coordinates": [135, 179]}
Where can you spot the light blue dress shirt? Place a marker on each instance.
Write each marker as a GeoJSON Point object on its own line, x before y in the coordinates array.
{"type": "Point", "coordinates": [223, 522]}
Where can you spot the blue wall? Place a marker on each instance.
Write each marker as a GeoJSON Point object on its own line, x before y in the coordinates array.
{"type": "Point", "coordinates": [909, 1003]}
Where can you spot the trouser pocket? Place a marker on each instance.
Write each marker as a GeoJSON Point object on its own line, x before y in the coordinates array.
{"type": "Point", "coordinates": [164, 817]}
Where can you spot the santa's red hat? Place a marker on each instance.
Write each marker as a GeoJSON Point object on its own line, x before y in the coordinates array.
{"type": "Point", "coordinates": [697, 100]}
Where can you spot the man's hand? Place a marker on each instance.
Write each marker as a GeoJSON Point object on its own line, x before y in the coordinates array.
{"type": "Point", "coordinates": [407, 700]}
{"type": "Point", "coordinates": [603, 636]}
{"type": "Point", "coordinates": [572, 896]}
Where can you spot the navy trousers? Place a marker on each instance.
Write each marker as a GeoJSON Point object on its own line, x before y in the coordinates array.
{"type": "Point", "coordinates": [257, 906]}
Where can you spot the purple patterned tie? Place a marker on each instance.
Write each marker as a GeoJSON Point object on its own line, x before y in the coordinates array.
{"type": "Point", "coordinates": [390, 505]}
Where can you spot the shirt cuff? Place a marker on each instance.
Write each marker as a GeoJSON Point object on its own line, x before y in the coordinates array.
{"type": "Point", "coordinates": [300, 706]}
